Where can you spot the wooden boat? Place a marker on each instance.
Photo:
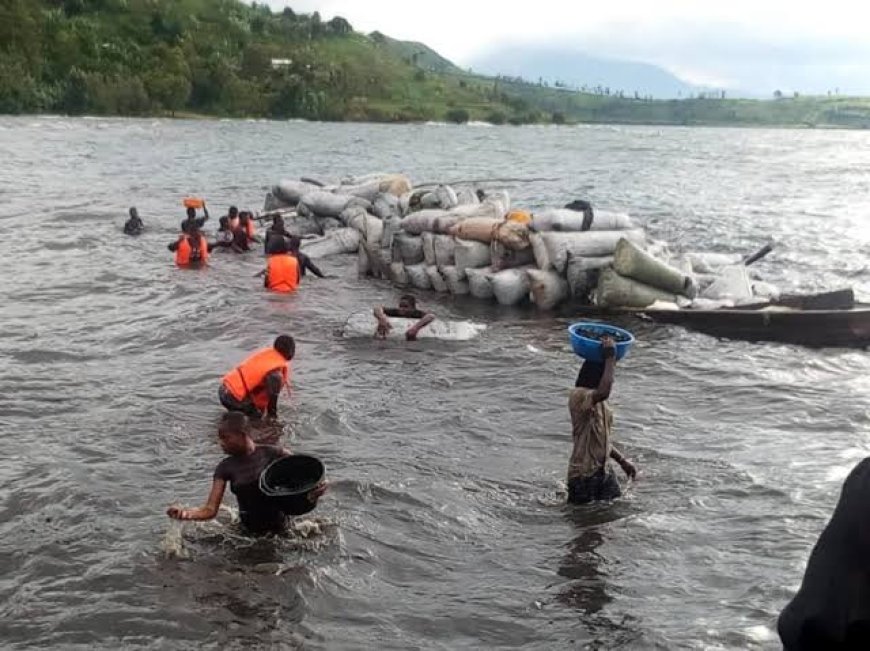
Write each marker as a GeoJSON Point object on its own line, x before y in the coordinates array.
{"type": "Point", "coordinates": [819, 320]}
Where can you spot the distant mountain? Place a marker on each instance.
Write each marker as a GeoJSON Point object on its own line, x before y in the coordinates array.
{"type": "Point", "coordinates": [417, 54]}
{"type": "Point", "coordinates": [577, 69]}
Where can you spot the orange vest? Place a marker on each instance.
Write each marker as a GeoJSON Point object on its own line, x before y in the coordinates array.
{"type": "Point", "coordinates": [249, 229]}
{"type": "Point", "coordinates": [247, 380]}
{"type": "Point", "coordinates": [184, 254]}
{"type": "Point", "coordinates": [282, 273]}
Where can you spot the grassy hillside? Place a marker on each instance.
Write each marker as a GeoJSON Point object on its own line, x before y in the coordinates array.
{"type": "Point", "coordinates": [224, 57]}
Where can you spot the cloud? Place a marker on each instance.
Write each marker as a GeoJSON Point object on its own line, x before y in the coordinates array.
{"type": "Point", "coordinates": [746, 44]}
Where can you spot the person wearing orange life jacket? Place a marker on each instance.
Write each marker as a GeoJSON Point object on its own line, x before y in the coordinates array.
{"type": "Point", "coordinates": [244, 233]}
{"type": "Point", "coordinates": [254, 385]}
{"type": "Point", "coordinates": [283, 271]}
{"type": "Point", "coordinates": [191, 248]}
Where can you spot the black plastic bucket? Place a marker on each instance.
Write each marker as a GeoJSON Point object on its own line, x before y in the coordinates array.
{"type": "Point", "coordinates": [288, 481]}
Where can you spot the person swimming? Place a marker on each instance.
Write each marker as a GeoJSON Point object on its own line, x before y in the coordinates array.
{"type": "Point", "coordinates": [407, 310]}
{"type": "Point", "coordinates": [589, 475]}
{"type": "Point", "coordinates": [253, 387]}
{"type": "Point", "coordinates": [134, 225]}
{"type": "Point", "coordinates": [241, 470]}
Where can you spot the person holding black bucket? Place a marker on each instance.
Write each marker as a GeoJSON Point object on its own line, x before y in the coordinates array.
{"type": "Point", "coordinates": [589, 475]}
{"type": "Point", "coordinates": [260, 513]}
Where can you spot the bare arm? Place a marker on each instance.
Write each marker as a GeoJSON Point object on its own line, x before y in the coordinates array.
{"type": "Point", "coordinates": [274, 384]}
{"type": "Point", "coordinates": [415, 329]}
{"type": "Point", "coordinates": [207, 512]}
{"type": "Point", "coordinates": [627, 466]}
{"type": "Point", "coordinates": [310, 265]}
{"type": "Point", "coordinates": [384, 325]}
{"type": "Point", "coordinates": [602, 393]}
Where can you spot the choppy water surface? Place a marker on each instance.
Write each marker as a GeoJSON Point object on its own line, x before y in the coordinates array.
{"type": "Point", "coordinates": [445, 528]}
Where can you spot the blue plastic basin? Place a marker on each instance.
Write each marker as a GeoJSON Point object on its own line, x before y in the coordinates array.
{"type": "Point", "coordinates": [591, 349]}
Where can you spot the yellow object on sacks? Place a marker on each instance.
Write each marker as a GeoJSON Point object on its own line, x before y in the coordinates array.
{"type": "Point", "coordinates": [520, 216]}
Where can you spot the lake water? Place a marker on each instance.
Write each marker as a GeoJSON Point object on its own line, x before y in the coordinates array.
{"type": "Point", "coordinates": [446, 526]}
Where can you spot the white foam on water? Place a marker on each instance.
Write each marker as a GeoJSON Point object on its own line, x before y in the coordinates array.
{"type": "Point", "coordinates": [760, 633]}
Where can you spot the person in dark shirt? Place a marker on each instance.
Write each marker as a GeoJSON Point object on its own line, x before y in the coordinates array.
{"type": "Point", "coordinates": [193, 220]}
{"type": "Point", "coordinates": [294, 245]}
{"type": "Point", "coordinates": [241, 470]}
{"type": "Point", "coordinates": [134, 225]}
{"type": "Point", "coordinates": [276, 231]}
{"type": "Point", "coordinates": [407, 310]}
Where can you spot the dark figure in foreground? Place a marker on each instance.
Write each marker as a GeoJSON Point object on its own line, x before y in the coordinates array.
{"type": "Point", "coordinates": [253, 387]}
{"type": "Point", "coordinates": [242, 469]}
{"type": "Point", "coordinates": [134, 225]}
{"type": "Point", "coordinates": [589, 475]}
{"type": "Point", "coordinates": [193, 221]}
{"type": "Point", "coordinates": [407, 310]}
{"type": "Point", "coordinates": [832, 608]}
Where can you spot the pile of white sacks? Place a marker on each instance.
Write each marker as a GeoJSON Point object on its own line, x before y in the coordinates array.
{"type": "Point", "coordinates": [473, 243]}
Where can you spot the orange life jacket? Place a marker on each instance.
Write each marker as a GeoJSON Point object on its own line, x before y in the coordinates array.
{"type": "Point", "coordinates": [186, 255]}
{"type": "Point", "coordinates": [248, 379]}
{"type": "Point", "coordinates": [249, 229]}
{"type": "Point", "coordinates": [282, 273]}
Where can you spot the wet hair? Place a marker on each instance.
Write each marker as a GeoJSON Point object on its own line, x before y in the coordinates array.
{"type": "Point", "coordinates": [286, 345]}
{"type": "Point", "coordinates": [224, 221]}
{"type": "Point", "coordinates": [408, 298]}
{"type": "Point", "coordinates": [134, 212]}
{"type": "Point", "coordinates": [480, 194]}
{"type": "Point", "coordinates": [294, 243]}
{"type": "Point", "coordinates": [191, 212]}
{"type": "Point", "coordinates": [233, 211]}
{"type": "Point", "coordinates": [244, 216]}
{"type": "Point", "coordinates": [590, 374]}
{"type": "Point", "coordinates": [278, 221]}
{"type": "Point", "coordinates": [236, 422]}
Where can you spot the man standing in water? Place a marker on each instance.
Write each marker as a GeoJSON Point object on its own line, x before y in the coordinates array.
{"type": "Point", "coordinates": [193, 221]}
{"type": "Point", "coordinates": [589, 475]}
{"type": "Point", "coordinates": [253, 387]}
{"type": "Point", "coordinates": [407, 310]}
{"type": "Point", "coordinates": [242, 469]}
{"type": "Point", "coordinates": [134, 225]}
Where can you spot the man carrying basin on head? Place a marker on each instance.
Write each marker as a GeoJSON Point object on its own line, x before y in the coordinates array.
{"type": "Point", "coordinates": [589, 475]}
{"type": "Point", "coordinates": [193, 222]}
{"type": "Point", "coordinates": [253, 387]}
{"type": "Point", "coordinates": [241, 470]}
{"type": "Point", "coordinates": [407, 310]}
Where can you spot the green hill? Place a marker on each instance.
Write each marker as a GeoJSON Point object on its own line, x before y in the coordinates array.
{"type": "Point", "coordinates": [227, 58]}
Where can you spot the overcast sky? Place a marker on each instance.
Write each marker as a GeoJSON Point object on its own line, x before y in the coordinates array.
{"type": "Point", "coordinates": [755, 46]}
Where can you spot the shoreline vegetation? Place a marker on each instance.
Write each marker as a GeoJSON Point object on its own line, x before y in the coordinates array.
{"type": "Point", "coordinates": [207, 59]}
